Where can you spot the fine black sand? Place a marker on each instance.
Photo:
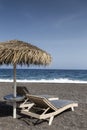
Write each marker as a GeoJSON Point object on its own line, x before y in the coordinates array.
{"type": "Point", "coordinates": [67, 120]}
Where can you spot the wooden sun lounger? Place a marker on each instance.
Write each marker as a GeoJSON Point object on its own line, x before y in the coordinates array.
{"type": "Point", "coordinates": [42, 108]}
{"type": "Point", "coordinates": [23, 91]}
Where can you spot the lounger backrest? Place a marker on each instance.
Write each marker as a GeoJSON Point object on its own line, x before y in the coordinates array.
{"type": "Point", "coordinates": [41, 101]}
{"type": "Point", "coordinates": [22, 90]}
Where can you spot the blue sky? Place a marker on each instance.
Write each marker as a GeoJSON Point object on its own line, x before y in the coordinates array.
{"type": "Point", "coordinates": [57, 26]}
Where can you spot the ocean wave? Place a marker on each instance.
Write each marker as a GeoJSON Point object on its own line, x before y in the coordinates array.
{"type": "Point", "coordinates": [60, 80]}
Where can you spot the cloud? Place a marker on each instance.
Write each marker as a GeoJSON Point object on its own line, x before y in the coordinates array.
{"type": "Point", "coordinates": [27, 15]}
{"type": "Point", "coordinates": [65, 20]}
{"type": "Point", "coordinates": [70, 18]}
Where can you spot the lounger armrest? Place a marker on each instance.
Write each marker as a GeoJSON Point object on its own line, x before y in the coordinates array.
{"type": "Point", "coordinates": [53, 98]}
{"type": "Point", "coordinates": [28, 106]}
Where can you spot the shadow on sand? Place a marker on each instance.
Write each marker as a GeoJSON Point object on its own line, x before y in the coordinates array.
{"type": "Point", "coordinates": [5, 109]}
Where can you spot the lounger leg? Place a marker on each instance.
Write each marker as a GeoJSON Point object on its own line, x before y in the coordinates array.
{"type": "Point", "coordinates": [51, 119]}
{"type": "Point", "coordinates": [72, 108]}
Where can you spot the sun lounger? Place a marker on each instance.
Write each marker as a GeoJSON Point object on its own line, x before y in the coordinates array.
{"type": "Point", "coordinates": [23, 91]}
{"type": "Point", "coordinates": [42, 108]}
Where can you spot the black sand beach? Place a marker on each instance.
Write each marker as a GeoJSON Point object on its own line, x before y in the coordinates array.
{"type": "Point", "coordinates": [67, 120]}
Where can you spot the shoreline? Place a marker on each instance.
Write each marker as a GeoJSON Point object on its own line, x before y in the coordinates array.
{"type": "Point", "coordinates": [67, 120]}
{"type": "Point", "coordinates": [55, 81]}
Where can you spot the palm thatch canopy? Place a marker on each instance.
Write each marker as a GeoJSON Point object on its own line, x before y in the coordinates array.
{"type": "Point", "coordinates": [19, 52]}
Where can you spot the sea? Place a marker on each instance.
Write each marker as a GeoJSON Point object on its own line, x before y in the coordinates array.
{"type": "Point", "coordinates": [44, 75]}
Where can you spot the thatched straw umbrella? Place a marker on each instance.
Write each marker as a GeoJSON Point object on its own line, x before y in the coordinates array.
{"type": "Point", "coordinates": [18, 52]}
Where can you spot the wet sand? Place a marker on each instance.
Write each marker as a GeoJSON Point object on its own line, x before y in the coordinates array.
{"type": "Point", "coordinates": [67, 120]}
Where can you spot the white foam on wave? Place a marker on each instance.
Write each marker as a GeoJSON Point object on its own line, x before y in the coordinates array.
{"type": "Point", "coordinates": [60, 80]}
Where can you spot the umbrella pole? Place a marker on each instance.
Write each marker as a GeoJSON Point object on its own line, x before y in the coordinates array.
{"type": "Point", "coordinates": [14, 103]}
